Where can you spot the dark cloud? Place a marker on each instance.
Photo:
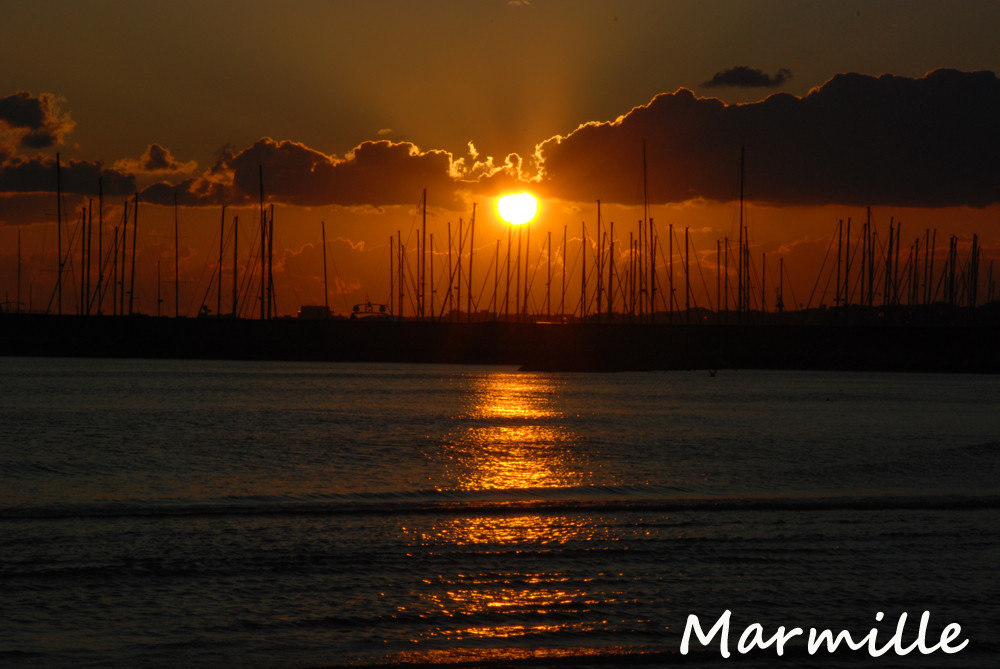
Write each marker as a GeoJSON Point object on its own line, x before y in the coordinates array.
{"type": "Point", "coordinates": [21, 175]}
{"type": "Point", "coordinates": [856, 140]}
{"type": "Point", "coordinates": [156, 159]}
{"type": "Point", "coordinates": [374, 173]}
{"type": "Point", "coordinates": [742, 76]}
{"type": "Point", "coordinates": [36, 120]}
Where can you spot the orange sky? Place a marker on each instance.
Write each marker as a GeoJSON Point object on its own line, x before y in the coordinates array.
{"type": "Point", "coordinates": [351, 109]}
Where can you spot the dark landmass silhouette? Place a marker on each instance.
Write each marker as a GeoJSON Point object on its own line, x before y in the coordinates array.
{"type": "Point", "coordinates": [967, 344]}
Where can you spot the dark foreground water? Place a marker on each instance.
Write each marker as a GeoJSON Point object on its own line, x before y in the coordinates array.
{"type": "Point", "coordinates": [172, 513]}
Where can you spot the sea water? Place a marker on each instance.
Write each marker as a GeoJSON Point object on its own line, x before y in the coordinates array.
{"type": "Point", "coordinates": [204, 514]}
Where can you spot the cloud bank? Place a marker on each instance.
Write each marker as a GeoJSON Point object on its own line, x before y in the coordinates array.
{"type": "Point", "coordinates": [32, 175]}
{"type": "Point", "coordinates": [856, 140]}
{"type": "Point", "coordinates": [374, 174]}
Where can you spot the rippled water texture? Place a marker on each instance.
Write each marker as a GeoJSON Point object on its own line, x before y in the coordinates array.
{"type": "Point", "coordinates": [276, 514]}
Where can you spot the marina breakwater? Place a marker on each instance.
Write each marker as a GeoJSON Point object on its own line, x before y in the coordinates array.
{"type": "Point", "coordinates": [530, 345]}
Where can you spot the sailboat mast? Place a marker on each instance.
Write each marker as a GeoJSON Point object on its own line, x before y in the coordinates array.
{"type": "Point", "coordinates": [399, 267]}
{"type": "Point", "coordinates": [432, 275]}
{"type": "Point", "coordinates": [687, 278]}
{"type": "Point", "coordinates": [611, 269]}
{"type": "Point", "coordinates": [236, 245]}
{"type": "Point", "coordinates": [548, 277]}
{"type": "Point", "coordinates": [100, 245]}
{"type": "Point", "coordinates": [135, 235]}
{"type": "Point", "coordinates": [527, 259]}
{"type": "Point", "coordinates": [562, 299]}
{"type": "Point", "coordinates": [763, 283]}
{"type": "Point", "coordinates": [517, 277]}
{"type": "Point", "coordinates": [600, 260]}
{"type": "Point", "coordinates": [19, 270]}
{"type": "Point", "coordinates": [670, 269]}
{"type": "Point", "coordinates": [840, 245]}
{"type": "Point", "coordinates": [222, 239]}
{"type": "Point", "coordinates": [59, 236]}
{"type": "Point", "coordinates": [114, 273]}
{"type": "Point", "coordinates": [644, 246]}
{"type": "Point", "coordinates": [90, 252]}
{"type": "Point", "coordinates": [89, 229]}
{"type": "Point", "coordinates": [496, 282]}
{"type": "Point", "coordinates": [121, 292]}
{"type": "Point", "coordinates": [422, 262]}
{"type": "Point", "coordinates": [326, 291]}
{"type": "Point", "coordinates": [263, 240]}
{"type": "Point", "coordinates": [472, 238]}
{"type": "Point", "coordinates": [740, 285]}
{"type": "Point", "coordinates": [652, 271]}
{"type": "Point", "coordinates": [177, 274]}
{"type": "Point", "coordinates": [583, 271]}
{"type": "Point", "coordinates": [451, 307]}
{"type": "Point", "coordinates": [725, 278]}
{"type": "Point", "coordinates": [271, 306]}
{"type": "Point", "coordinates": [506, 290]}
{"type": "Point", "coordinates": [458, 267]}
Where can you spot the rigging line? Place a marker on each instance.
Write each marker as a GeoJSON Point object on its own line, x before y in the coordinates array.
{"type": "Point", "coordinates": [486, 280]}
{"type": "Point", "coordinates": [783, 271]}
{"type": "Point", "coordinates": [534, 273]}
{"type": "Point", "coordinates": [68, 266]}
{"type": "Point", "coordinates": [660, 275]}
{"type": "Point", "coordinates": [211, 279]}
{"type": "Point", "coordinates": [283, 248]}
{"type": "Point", "coordinates": [708, 295]}
{"type": "Point", "coordinates": [451, 281]}
{"type": "Point", "coordinates": [328, 253]}
{"type": "Point", "coordinates": [819, 275]}
{"type": "Point", "coordinates": [622, 273]}
{"type": "Point", "coordinates": [201, 277]}
{"type": "Point", "coordinates": [409, 272]}
{"type": "Point", "coordinates": [571, 270]}
{"type": "Point", "coordinates": [248, 270]}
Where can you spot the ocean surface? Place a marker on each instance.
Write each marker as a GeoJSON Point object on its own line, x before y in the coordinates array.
{"type": "Point", "coordinates": [237, 514]}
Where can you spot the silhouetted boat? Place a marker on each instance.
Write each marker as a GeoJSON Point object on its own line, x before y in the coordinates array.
{"type": "Point", "coordinates": [314, 312]}
{"type": "Point", "coordinates": [368, 310]}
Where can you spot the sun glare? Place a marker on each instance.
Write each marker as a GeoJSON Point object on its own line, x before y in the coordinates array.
{"type": "Point", "coordinates": [517, 209]}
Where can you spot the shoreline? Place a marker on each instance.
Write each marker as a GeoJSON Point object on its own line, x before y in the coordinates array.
{"type": "Point", "coordinates": [533, 346]}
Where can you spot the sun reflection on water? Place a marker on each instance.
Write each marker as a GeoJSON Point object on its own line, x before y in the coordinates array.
{"type": "Point", "coordinates": [496, 588]}
{"type": "Point", "coordinates": [511, 436]}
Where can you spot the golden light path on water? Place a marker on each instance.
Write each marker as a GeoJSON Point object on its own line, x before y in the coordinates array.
{"type": "Point", "coordinates": [510, 436]}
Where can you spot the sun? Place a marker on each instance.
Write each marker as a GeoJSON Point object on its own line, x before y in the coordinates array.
{"type": "Point", "coordinates": [517, 208]}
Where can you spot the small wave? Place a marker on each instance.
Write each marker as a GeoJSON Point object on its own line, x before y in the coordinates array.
{"type": "Point", "coordinates": [547, 501]}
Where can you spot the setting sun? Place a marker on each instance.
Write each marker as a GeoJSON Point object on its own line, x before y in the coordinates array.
{"type": "Point", "coordinates": [518, 208]}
